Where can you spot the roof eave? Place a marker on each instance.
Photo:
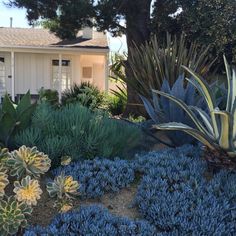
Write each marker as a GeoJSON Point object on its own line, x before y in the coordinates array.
{"type": "Point", "coordinates": [60, 48]}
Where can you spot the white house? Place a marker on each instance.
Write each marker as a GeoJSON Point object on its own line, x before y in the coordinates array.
{"type": "Point", "coordinates": [34, 58]}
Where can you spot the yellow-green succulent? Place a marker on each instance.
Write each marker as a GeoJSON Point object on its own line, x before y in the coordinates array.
{"type": "Point", "coordinates": [28, 161]}
{"type": "Point", "coordinates": [13, 216]}
{"type": "Point", "coordinates": [3, 182]}
{"type": "Point", "coordinates": [27, 191]}
{"type": "Point", "coordinates": [4, 156]}
{"type": "Point", "coordinates": [63, 187]}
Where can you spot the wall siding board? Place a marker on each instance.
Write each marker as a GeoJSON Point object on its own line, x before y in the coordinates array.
{"type": "Point", "coordinates": [34, 70]}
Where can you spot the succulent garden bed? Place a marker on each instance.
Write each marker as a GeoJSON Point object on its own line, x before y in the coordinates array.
{"type": "Point", "coordinates": [157, 193]}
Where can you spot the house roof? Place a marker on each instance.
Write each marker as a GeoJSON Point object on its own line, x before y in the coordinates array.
{"type": "Point", "coordinates": [34, 37]}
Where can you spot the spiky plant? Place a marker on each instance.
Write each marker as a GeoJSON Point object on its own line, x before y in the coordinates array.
{"type": "Point", "coordinates": [153, 62]}
{"type": "Point", "coordinates": [13, 216]}
{"type": "Point", "coordinates": [28, 161]}
{"type": "Point", "coordinates": [216, 131]}
{"type": "Point", "coordinates": [3, 182]}
{"type": "Point", "coordinates": [63, 187]}
{"type": "Point", "coordinates": [28, 190]}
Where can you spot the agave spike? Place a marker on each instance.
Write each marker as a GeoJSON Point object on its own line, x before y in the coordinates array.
{"type": "Point", "coordinates": [185, 108]}
{"type": "Point", "coordinates": [189, 130]}
{"type": "Point", "coordinates": [224, 138]}
{"type": "Point", "coordinates": [205, 119]}
{"type": "Point", "coordinates": [205, 91]}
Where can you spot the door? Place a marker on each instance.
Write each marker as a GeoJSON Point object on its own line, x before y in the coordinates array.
{"type": "Point", "coordinates": [2, 76]}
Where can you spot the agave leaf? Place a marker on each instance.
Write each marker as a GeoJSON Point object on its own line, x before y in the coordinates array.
{"type": "Point", "coordinates": [225, 138]}
{"type": "Point", "coordinates": [205, 90]}
{"type": "Point", "coordinates": [229, 78]}
{"type": "Point", "coordinates": [205, 119]}
{"type": "Point", "coordinates": [185, 108]}
{"type": "Point", "coordinates": [149, 109]}
{"type": "Point", "coordinates": [189, 130]}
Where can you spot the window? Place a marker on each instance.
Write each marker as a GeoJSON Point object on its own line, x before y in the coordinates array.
{"type": "Point", "coordinates": [2, 75]}
{"type": "Point", "coordinates": [87, 72]}
{"type": "Point", "coordinates": [66, 74]}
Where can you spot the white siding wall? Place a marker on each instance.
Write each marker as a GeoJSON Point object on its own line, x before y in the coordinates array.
{"type": "Point", "coordinates": [97, 62]}
{"type": "Point", "coordinates": [32, 71]}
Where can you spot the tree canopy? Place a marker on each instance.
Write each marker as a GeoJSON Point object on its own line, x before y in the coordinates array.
{"type": "Point", "coordinates": [209, 22]}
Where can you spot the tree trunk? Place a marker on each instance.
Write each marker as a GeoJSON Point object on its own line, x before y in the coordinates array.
{"type": "Point", "coordinates": [137, 32]}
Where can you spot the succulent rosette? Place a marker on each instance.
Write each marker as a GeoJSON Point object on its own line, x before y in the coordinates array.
{"type": "Point", "coordinates": [28, 191]}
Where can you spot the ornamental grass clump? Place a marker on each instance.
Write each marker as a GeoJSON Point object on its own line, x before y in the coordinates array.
{"type": "Point", "coordinates": [216, 130]}
{"type": "Point", "coordinates": [28, 161]}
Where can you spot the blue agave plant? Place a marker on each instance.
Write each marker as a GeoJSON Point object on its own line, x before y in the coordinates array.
{"type": "Point", "coordinates": [163, 110]}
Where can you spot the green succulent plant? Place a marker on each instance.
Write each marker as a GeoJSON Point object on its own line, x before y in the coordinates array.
{"type": "Point", "coordinates": [27, 190]}
{"type": "Point", "coordinates": [63, 187]}
{"type": "Point", "coordinates": [28, 161]}
{"type": "Point", "coordinates": [3, 182]}
{"type": "Point", "coordinates": [216, 131]}
{"type": "Point", "coordinates": [14, 118]}
{"type": "Point", "coordinates": [4, 156]}
{"type": "Point", "coordinates": [13, 216]}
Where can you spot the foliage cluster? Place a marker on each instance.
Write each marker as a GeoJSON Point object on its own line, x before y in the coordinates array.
{"type": "Point", "coordinates": [201, 22]}
{"type": "Point", "coordinates": [173, 197]}
{"type": "Point", "coordinates": [216, 130]}
{"type": "Point", "coordinates": [85, 94]}
{"type": "Point", "coordinates": [93, 220]}
{"type": "Point", "coordinates": [15, 209]}
{"type": "Point", "coordinates": [76, 131]}
{"type": "Point", "coordinates": [14, 118]}
{"type": "Point", "coordinates": [99, 176]}
{"type": "Point", "coordinates": [153, 62]}
{"type": "Point", "coordinates": [49, 95]}
{"type": "Point", "coordinates": [176, 198]}
{"type": "Point", "coordinates": [27, 164]}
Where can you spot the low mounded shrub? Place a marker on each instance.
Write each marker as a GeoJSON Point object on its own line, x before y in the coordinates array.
{"type": "Point", "coordinates": [93, 220]}
{"type": "Point", "coordinates": [85, 94]}
{"type": "Point", "coordinates": [176, 198]}
{"type": "Point", "coordinates": [75, 131]}
{"type": "Point", "coordinates": [99, 176]}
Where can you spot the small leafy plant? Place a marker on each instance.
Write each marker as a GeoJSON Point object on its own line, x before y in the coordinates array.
{"type": "Point", "coordinates": [64, 188]}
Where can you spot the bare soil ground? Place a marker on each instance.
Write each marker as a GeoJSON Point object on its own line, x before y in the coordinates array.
{"type": "Point", "coordinates": [119, 203]}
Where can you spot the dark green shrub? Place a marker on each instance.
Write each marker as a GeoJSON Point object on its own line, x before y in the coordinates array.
{"type": "Point", "coordinates": [116, 105]}
{"type": "Point", "coordinates": [76, 131]}
{"type": "Point", "coordinates": [85, 94]}
{"type": "Point", "coordinates": [49, 95]}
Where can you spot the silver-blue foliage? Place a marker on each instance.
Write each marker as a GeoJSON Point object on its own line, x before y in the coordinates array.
{"type": "Point", "coordinates": [99, 175]}
{"type": "Point", "coordinates": [177, 199]}
{"type": "Point", "coordinates": [174, 197]}
{"type": "Point", "coordinates": [90, 221]}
